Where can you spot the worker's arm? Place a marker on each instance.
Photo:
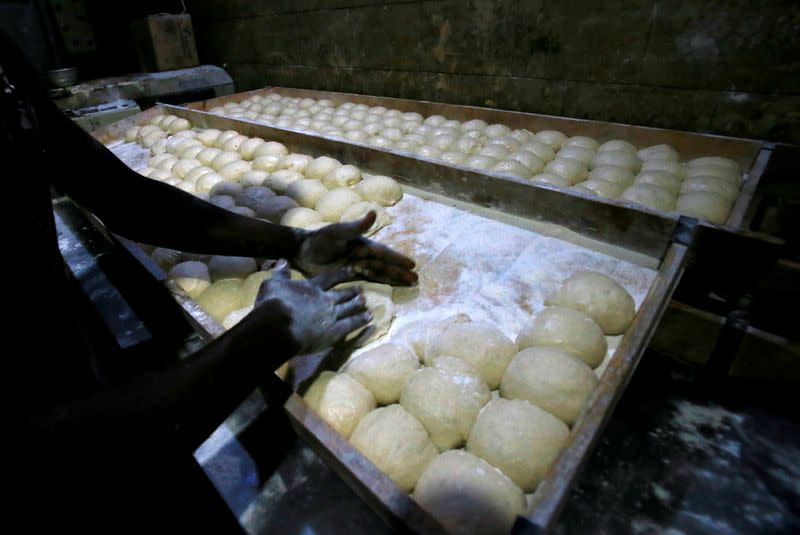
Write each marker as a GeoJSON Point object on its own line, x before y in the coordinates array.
{"type": "Point", "coordinates": [193, 397]}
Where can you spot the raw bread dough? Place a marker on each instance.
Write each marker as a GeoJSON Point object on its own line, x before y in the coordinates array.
{"type": "Point", "coordinates": [658, 152]}
{"type": "Point", "coordinates": [282, 179]}
{"type": "Point", "coordinates": [273, 208]}
{"type": "Point", "coordinates": [540, 149]}
{"type": "Point", "coordinates": [182, 167]}
{"type": "Point", "coordinates": [357, 211]}
{"type": "Point", "coordinates": [342, 176]}
{"type": "Point", "coordinates": [253, 196]}
{"type": "Point", "coordinates": [649, 195]}
{"type": "Point", "coordinates": [380, 189]}
{"type": "Point", "coordinates": [662, 179]}
{"type": "Point", "coordinates": [612, 173]}
{"type": "Point", "coordinates": [583, 142]}
{"type": "Point", "coordinates": [617, 145]}
{"type": "Point", "coordinates": [333, 204]}
{"type": "Point", "coordinates": [267, 163]}
{"type": "Point", "coordinates": [223, 201]}
{"type": "Point", "coordinates": [568, 330]}
{"type": "Point", "coordinates": [221, 298]}
{"type": "Point", "coordinates": [552, 179]}
{"type": "Point", "coordinates": [306, 192]}
{"type": "Point", "coordinates": [131, 134]}
{"type": "Point", "coordinates": [580, 154]}
{"type": "Point", "coordinates": [529, 160]}
{"type": "Point", "coordinates": [234, 143]}
{"type": "Point", "coordinates": [716, 171]}
{"type": "Point", "coordinates": [235, 317]}
{"type": "Point", "coordinates": [165, 258]}
{"type": "Point", "coordinates": [253, 178]}
{"type": "Point", "coordinates": [224, 158]}
{"type": "Point", "coordinates": [234, 170]}
{"type": "Point", "coordinates": [711, 184]}
{"type": "Point", "coordinates": [620, 158]}
{"type": "Point", "coordinates": [468, 496]}
{"type": "Point", "coordinates": [552, 138]}
{"type": "Point", "coordinates": [551, 379]}
{"type": "Point", "coordinates": [572, 170]}
{"type": "Point", "coordinates": [396, 443]}
{"type": "Point", "coordinates": [295, 162]}
{"type": "Point", "coordinates": [270, 148]}
{"type": "Point", "coordinates": [223, 137]}
{"type": "Point", "coordinates": [519, 438]}
{"type": "Point", "coordinates": [340, 400]}
{"type": "Point", "coordinates": [207, 155]}
{"type": "Point", "coordinates": [420, 333]}
{"type": "Point", "coordinates": [704, 205]}
{"type": "Point", "coordinates": [601, 188]}
{"type": "Point", "coordinates": [383, 370]}
{"type": "Point", "coordinates": [300, 217]}
{"type": "Point", "coordinates": [445, 403]}
{"type": "Point", "coordinates": [321, 166]}
{"type": "Point", "coordinates": [481, 344]}
{"type": "Point", "coordinates": [670, 166]}
{"type": "Point", "coordinates": [231, 267]}
{"type": "Point", "coordinates": [480, 162]}
{"type": "Point", "coordinates": [512, 168]}
{"type": "Point", "coordinates": [251, 286]}
{"type": "Point", "coordinates": [453, 157]}
{"type": "Point", "coordinates": [248, 148]}
{"type": "Point", "coordinates": [208, 136]}
{"type": "Point", "coordinates": [599, 296]}
{"type": "Point", "coordinates": [379, 303]}
{"type": "Point", "coordinates": [715, 161]}
{"type": "Point", "coordinates": [192, 277]}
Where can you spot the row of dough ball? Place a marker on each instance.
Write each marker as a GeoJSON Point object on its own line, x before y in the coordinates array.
{"type": "Point", "coordinates": [226, 287]}
{"type": "Point", "coordinates": [184, 163]}
{"type": "Point", "coordinates": [434, 385]}
{"type": "Point", "coordinates": [478, 145]}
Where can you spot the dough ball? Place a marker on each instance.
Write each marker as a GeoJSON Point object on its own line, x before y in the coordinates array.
{"type": "Point", "coordinates": [234, 143]}
{"type": "Point", "coordinates": [221, 298]}
{"type": "Point", "coordinates": [620, 158]}
{"type": "Point", "coordinates": [453, 157]}
{"type": "Point", "coordinates": [160, 174]}
{"type": "Point", "coordinates": [568, 330]}
{"type": "Point", "coordinates": [582, 142]}
{"type": "Point", "coordinates": [145, 130]}
{"type": "Point", "coordinates": [165, 163]}
{"type": "Point", "coordinates": [432, 153]}
{"type": "Point", "coordinates": [150, 139]}
{"type": "Point", "coordinates": [235, 317]}
{"type": "Point", "coordinates": [342, 176]}
{"type": "Point", "coordinates": [670, 166]}
{"type": "Point", "coordinates": [282, 179]}
{"type": "Point", "coordinates": [617, 145]}
{"type": "Point", "coordinates": [208, 136]}
{"type": "Point", "coordinates": [270, 148]}
{"type": "Point", "coordinates": [552, 138]}
{"type": "Point", "coordinates": [356, 135]}
{"type": "Point", "coordinates": [467, 145]}
{"type": "Point", "coordinates": [253, 196]}
{"type": "Point", "coordinates": [223, 201]}
{"type": "Point", "coordinates": [172, 180]}
{"type": "Point", "coordinates": [419, 334]}
{"type": "Point", "coordinates": [300, 217]}
{"type": "Point", "coordinates": [704, 205]}
{"type": "Point", "coordinates": [474, 124]}
{"type": "Point", "coordinates": [658, 152]}
{"type": "Point", "coordinates": [468, 496]}
{"type": "Point", "coordinates": [185, 145]}
{"type": "Point", "coordinates": [182, 167]}
{"type": "Point", "coordinates": [192, 152]}
{"type": "Point", "coordinates": [320, 167]}
{"type": "Point", "coordinates": [572, 170]}
{"type": "Point", "coordinates": [295, 162]}
{"type": "Point", "coordinates": [383, 370]}
{"type": "Point", "coordinates": [234, 170]}
{"type": "Point", "coordinates": [248, 148]}
{"type": "Point", "coordinates": [493, 151]}
{"type": "Point", "coordinates": [480, 344]}
{"type": "Point", "coordinates": [333, 204]}
{"type": "Point", "coordinates": [231, 267]}
{"type": "Point", "coordinates": [650, 195]}
{"type": "Point", "coordinates": [709, 184]}
{"type": "Point", "coordinates": [580, 154]}
{"type": "Point", "coordinates": [512, 168]}
{"type": "Point", "coordinates": [396, 443]}
{"type": "Point", "coordinates": [435, 120]}
{"type": "Point", "coordinates": [543, 151]}
{"type": "Point", "coordinates": [497, 130]}
{"type": "Point", "coordinates": [601, 188]}
{"type": "Point", "coordinates": [207, 182]}
{"type": "Point", "coordinates": [378, 301]}
{"type": "Point", "coordinates": [529, 160]}
{"type": "Point", "coordinates": [506, 142]}
{"type": "Point", "coordinates": [715, 161]}
{"type": "Point", "coordinates": [480, 162]}
{"type": "Point", "coordinates": [274, 207]}
{"type": "Point", "coordinates": [552, 179]}
{"type": "Point", "coordinates": [357, 211]}
{"type": "Point", "coordinates": [179, 124]}
{"type": "Point", "coordinates": [612, 173]}
{"type": "Point", "coordinates": [306, 192]}
{"type": "Point", "coordinates": [188, 187]}
{"type": "Point", "coordinates": [444, 404]}
{"type": "Point", "coordinates": [253, 178]}
{"type": "Point", "coordinates": [602, 298]}
{"type": "Point", "coordinates": [131, 134]}
{"type": "Point", "coordinates": [224, 158]}
{"type": "Point", "coordinates": [243, 211]}
{"type": "Point", "coordinates": [715, 171]}
{"type": "Point", "coordinates": [251, 286]}
{"type": "Point", "coordinates": [380, 189]}
{"type": "Point", "coordinates": [224, 137]}
{"type": "Point", "coordinates": [662, 179]}
{"type": "Point", "coordinates": [340, 400]}
{"type": "Point", "coordinates": [551, 379]}
{"type": "Point", "coordinates": [519, 439]}
{"type": "Point", "coordinates": [206, 156]}
{"type": "Point", "coordinates": [165, 258]}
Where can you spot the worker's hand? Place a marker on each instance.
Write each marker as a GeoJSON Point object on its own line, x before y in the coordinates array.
{"type": "Point", "coordinates": [319, 316]}
{"type": "Point", "coordinates": [343, 244]}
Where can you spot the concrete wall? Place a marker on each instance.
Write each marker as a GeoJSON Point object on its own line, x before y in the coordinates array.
{"type": "Point", "coordinates": [724, 66]}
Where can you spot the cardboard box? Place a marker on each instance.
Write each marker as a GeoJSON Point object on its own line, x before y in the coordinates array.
{"type": "Point", "coordinates": [165, 42]}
